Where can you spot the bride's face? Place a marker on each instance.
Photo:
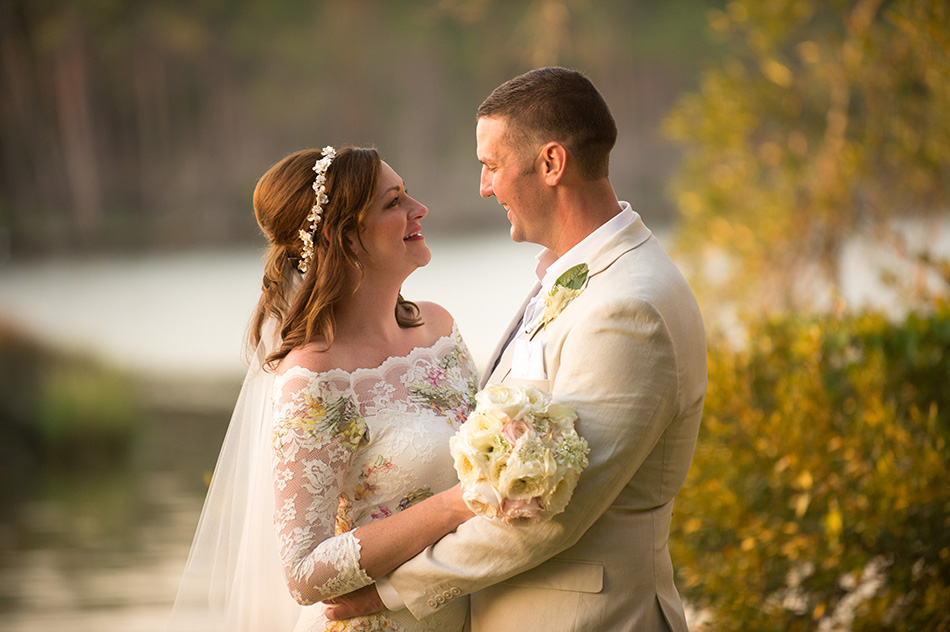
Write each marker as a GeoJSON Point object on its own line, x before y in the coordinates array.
{"type": "Point", "coordinates": [392, 230]}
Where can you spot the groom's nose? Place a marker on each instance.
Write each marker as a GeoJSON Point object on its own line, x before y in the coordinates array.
{"type": "Point", "coordinates": [484, 185]}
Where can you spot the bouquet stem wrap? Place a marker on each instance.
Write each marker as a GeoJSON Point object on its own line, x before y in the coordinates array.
{"type": "Point", "coordinates": [517, 455]}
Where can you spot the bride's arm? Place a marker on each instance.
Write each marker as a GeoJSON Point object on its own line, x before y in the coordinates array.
{"type": "Point", "coordinates": [315, 436]}
{"type": "Point", "coordinates": [388, 543]}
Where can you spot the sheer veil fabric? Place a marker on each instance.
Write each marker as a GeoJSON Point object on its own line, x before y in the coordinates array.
{"type": "Point", "coordinates": [233, 578]}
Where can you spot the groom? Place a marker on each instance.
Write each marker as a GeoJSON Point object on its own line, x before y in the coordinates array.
{"type": "Point", "coordinates": [628, 353]}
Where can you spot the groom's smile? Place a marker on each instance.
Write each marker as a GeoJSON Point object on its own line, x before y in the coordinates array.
{"type": "Point", "coordinates": [505, 177]}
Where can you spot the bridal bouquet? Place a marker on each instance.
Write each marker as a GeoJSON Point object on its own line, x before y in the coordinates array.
{"type": "Point", "coordinates": [517, 455]}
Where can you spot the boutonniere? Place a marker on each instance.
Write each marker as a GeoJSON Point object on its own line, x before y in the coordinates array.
{"type": "Point", "coordinates": [567, 287]}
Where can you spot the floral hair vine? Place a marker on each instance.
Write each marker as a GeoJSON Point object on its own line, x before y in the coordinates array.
{"type": "Point", "coordinates": [320, 191]}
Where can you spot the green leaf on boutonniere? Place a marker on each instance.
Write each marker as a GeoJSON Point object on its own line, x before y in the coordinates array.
{"type": "Point", "coordinates": [573, 278]}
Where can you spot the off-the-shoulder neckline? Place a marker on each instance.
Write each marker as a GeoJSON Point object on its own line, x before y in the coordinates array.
{"type": "Point", "coordinates": [297, 369]}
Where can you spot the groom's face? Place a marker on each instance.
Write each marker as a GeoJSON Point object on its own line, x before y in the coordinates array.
{"type": "Point", "coordinates": [511, 177]}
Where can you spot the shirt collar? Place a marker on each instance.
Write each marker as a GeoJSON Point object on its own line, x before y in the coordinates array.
{"type": "Point", "coordinates": [550, 267]}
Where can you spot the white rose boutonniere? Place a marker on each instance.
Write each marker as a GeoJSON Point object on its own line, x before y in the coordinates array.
{"type": "Point", "coordinates": [567, 287]}
{"type": "Point", "coordinates": [518, 456]}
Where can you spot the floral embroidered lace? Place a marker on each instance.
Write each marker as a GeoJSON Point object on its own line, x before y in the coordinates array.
{"type": "Point", "coordinates": [350, 448]}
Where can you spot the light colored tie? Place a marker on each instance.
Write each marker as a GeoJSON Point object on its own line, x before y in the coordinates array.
{"type": "Point", "coordinates": [532, 313]}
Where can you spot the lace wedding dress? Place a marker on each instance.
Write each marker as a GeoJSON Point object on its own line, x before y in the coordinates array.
{"type": "Point", "coordinates": [351, 448]}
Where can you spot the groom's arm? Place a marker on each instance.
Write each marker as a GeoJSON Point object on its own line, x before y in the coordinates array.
{"type": "Point", "coordinates": [618, 370]}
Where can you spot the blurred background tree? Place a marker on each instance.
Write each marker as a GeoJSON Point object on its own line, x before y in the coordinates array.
{"type": "Point", "coordinates": [826, 120]}
{"type": "Point", "coordinates": [817, 498]}
{"type": "Point", "coordinates": [135, 124]}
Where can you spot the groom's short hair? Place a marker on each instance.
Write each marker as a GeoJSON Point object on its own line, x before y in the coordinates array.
{"type": "Point", "coordinates": [556, 104]}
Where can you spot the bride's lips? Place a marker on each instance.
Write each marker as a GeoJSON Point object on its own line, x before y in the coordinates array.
{"type": "Point", "coordinates": [414, 236]}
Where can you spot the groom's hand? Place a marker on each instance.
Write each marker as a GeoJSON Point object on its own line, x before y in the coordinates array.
{"type": "Point", "coordinates": [355, 604]}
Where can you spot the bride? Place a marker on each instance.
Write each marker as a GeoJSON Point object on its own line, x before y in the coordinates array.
{"type": "Point", "coordinates": [335, 469]}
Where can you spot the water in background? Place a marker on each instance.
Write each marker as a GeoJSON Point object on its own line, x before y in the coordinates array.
{"type": "Point", "coordinates": [187, 313]}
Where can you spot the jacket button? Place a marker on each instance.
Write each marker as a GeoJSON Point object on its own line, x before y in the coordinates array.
{"type": "Point", "coordinates": [456, 591]}
{"type": "Point", "coordinates": [431, 603]}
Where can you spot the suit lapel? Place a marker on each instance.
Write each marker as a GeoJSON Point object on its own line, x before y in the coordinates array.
{"type": "Point", "coordinates": [628, 238]}
{"type": "Point", "coordinates": [624, 241]}
{"type": "Point", "coordinates": [510, 333]}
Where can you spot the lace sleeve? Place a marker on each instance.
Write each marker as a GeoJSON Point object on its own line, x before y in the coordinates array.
{"type": "Point", "coordinates": [317, 428]}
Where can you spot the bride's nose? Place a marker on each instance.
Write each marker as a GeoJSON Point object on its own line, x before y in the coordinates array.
{"type": "Point", "coordinates": [418, 211]}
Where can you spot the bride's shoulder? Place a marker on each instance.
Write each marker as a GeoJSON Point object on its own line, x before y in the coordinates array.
{"type": "Point", "coordinates": [437, 319]}
{"type": "Point", "coordinates": [312, 357]}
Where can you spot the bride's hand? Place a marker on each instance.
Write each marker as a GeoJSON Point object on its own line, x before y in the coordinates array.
{"type": "Point", "coordinates": [358, 603]}
{"type": "Point", "coordinates": [455, 503]}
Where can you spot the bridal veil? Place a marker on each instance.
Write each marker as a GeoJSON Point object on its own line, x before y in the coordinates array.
{"type": "Point", "coordinates": [233, 578]}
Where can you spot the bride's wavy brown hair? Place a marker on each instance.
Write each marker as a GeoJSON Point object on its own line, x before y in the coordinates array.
{"type": "Point", "coordinates": [282, 200]}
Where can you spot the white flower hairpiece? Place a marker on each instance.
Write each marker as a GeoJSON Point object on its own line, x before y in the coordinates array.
{"type": "Point", "coordinates": [320, 191]}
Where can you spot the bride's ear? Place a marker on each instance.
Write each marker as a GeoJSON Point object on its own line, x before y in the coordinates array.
{"type": "Point", "coordinates": [356, 246]}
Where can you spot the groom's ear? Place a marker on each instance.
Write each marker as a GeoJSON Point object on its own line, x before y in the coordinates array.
{"type": "Point", "coordinates": [553, 160]}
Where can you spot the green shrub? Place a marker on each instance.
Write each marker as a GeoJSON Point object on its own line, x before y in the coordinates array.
{"type": "Point", "coordinates": [87, 414]}
{"type": "Point", "coordinates": [819, 493]}
{"type": "Point", "coordinates": [60, 409]}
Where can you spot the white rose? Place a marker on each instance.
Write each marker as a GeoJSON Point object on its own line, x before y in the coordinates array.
{"type": "Point", "coordinates": [479, 448]}
{"type": "Point", "coordinates": [482, 498]}
{"type": "Point", "coordinates": [530, 472]}
{"type": "Point", "coordinates": [538, 400]}
{"type": "Point", "coordinates": [560, 495]}
{"type": "Point", "coordinates": [469, 464]}
{"type": "Point", "coordinates": [563, 416]}
{"type": "Point", "coordinates": [481, 431]}
{"type": "Point", "coordinates": [508, 400]}
{"type": "Point", "coordinates": [497, 462]}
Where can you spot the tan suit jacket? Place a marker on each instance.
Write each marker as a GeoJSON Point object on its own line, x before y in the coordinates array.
{"type": "Point", "coordinates": [629, 354]}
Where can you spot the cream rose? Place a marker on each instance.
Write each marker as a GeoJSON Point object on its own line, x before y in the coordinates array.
{"type": "Point", "coordinates": [469, 464]}
{"type": "Point", "coordinates": [512, 403]}
{"type": "Point", "coordinates": [531, 472]}
{"type": "Point", "coordinates": [483, 499]}
{"type": "Point", "coordinates": [557, 499]}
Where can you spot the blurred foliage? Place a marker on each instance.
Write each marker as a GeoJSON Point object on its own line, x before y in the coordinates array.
{"type": "Point", "coordinates": [825, 120]}
{"type": "Point", "coordinates": [86, 413]}
{"type": "Point", "coordinates": [61, 410]}
{"type": "Point", "coordinates": [818, 496]}
{"type": "Point", "coordinates": [123, 121]}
